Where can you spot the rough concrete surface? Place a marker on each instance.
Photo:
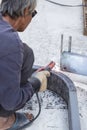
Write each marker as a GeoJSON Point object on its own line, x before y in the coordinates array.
{"type": "Point", "coordinates": [44, 36]}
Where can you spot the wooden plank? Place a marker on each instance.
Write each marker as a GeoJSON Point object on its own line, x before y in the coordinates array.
{"type": "Point", "coordinates": [85, 17]}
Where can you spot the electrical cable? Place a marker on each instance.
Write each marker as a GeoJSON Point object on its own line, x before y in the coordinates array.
{"type": "Point", "coordinates": [29, 123]}
{"type": "Point", "coordinates": [65, 5]}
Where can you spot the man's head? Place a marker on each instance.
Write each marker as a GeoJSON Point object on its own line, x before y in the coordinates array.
{"type": "Point", "coordinates": [19, 11]}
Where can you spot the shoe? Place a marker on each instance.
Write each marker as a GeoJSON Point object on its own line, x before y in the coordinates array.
{"type": "Point", "coordinates": [22, 121]}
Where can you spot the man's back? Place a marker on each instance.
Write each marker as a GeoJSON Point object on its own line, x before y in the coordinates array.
{"type": "Point", "coordinates": [9, 39]}
{"type": "Point", "coordinates": [11, 58]}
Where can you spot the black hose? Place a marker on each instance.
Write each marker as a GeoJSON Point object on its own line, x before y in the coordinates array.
{"type": "Point", "coordinates": [56, 3]}
{"type": "Point", "coordinates": [26, 125]}
{"type": "Point", "coordinates": [39, 105]}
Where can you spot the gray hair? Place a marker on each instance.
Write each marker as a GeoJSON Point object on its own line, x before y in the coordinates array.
{"type": "Point", "coordinates": [15, 8]}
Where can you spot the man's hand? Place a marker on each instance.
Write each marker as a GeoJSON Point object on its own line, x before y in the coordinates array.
{"type": "Point", "coordinates": [38, 80]}
{"type": "Point", "coordinates": [42, 76]}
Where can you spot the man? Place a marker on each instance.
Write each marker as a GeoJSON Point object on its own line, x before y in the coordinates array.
{"type": "Point", "coordinates": [17, 85]}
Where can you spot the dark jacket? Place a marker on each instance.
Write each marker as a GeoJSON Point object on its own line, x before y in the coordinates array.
{"type": "Point", "coordinates": [12, 95]}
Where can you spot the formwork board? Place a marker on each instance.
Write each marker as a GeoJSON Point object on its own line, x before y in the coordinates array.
{"type": "Point", "coordinates": [85, 17]}
{"type": "Point", "coordinates": [62, 85]}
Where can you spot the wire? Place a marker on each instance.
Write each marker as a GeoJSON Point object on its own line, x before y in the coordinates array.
{"type": "Point", "coordinates": [34, 117]}
{"type": "Point", "coordinates": [65, 5]}
{"type": "Point", "coordinates": [39, 107]}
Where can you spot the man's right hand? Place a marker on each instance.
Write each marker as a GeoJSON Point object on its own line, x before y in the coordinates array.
{"type": "Point", "coordinates": [42, 77]}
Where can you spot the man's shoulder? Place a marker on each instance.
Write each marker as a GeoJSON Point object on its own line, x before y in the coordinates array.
{"type": "Point", "coordinates": [9, 41]}
{"type": "Point", "coordinates": [8, 33]}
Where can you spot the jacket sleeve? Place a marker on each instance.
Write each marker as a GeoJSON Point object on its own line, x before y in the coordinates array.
{"type": "Point", "coordinates": [12, 95]}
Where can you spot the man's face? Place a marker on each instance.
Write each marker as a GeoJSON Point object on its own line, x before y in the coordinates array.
{"type": "Point", "coordinates": [25, 20]}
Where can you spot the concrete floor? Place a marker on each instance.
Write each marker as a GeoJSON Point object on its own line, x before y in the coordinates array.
{"type": "Point", "coordinates": [44, 36]}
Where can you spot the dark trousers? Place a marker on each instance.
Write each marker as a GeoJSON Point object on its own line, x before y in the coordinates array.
{"type": "Point", "coordinates": [26, 72]}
